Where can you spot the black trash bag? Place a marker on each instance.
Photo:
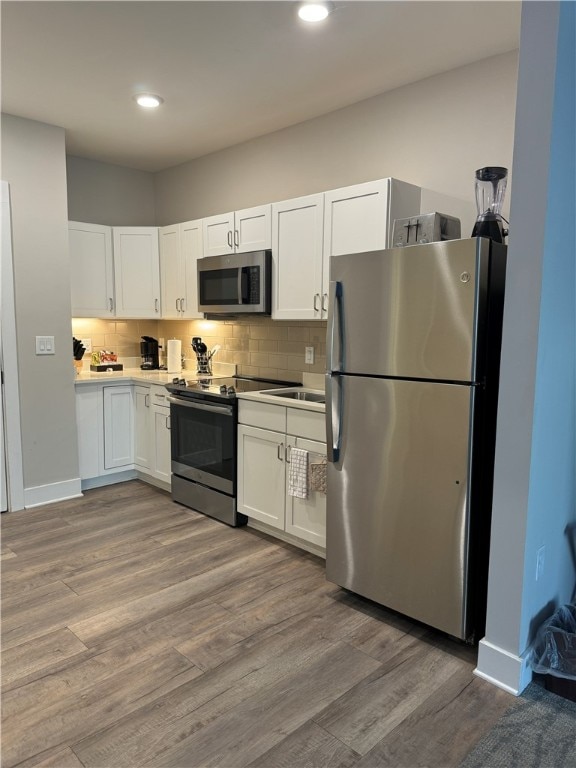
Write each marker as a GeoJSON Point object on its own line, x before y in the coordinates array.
{"type": "Point", "coordinates": [554, 649]}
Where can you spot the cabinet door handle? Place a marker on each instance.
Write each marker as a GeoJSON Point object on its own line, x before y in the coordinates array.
{"type": "Point", "coordinates": [229, 238]}
{"type": "Point", "coordinates": [288, 454]}
{"type": "Point", "coordinates": [160, 397]}
{"type": "Point", "coordinates": [316, 297]}
{"type": "Point", "coordinates": [168, 422]}
{"type": "Point", "coordinates": [281, 451]}
{"type": "Point", "coordinates": [147, 401]}
{"type": "Point", "coordinates": [324, 302]}
{"type": "Point", "coordinates": [236, 238]}
{"type": "Point", "coordinates": [156, 302]}
{"type": "Point", "coordinates": [177, 307]}
{"type": "Point", "coordinates": [182, 305]}
{"type": "Point", "coordinates": [111, 305]}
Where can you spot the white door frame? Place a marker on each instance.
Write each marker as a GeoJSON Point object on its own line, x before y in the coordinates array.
{"type": "Point", "coordinates": [9, 362]}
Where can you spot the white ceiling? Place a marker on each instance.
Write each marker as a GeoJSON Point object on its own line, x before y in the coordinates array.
{"type": "Point", "coordinates": [228, 71]}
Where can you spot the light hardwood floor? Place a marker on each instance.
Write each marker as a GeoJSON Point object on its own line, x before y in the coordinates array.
{"type": "Point", "coordinates": [139, 633]}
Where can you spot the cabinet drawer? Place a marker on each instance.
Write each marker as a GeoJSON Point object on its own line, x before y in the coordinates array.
{"type": "Point", "coordinates": [262, 415]}
{"type": "Point", "coordinates": [306, 424]}
{"type": "Point", "coordinates": [159, 395]}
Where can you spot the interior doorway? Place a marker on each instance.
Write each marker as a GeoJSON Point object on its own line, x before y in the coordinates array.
{"type": "Point", "coordinates": [11, 472]}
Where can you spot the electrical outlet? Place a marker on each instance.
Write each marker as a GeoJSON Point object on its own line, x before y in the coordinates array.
{"type": "Point", "coordinates": [309, 355]}
{"type": "Point", "coordinates": [87, 344]}
{"type": "Point", "coordinates": [540, 562]}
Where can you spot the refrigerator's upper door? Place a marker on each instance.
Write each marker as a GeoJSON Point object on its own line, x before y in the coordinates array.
{"type": "Point", "coordinates": [413, 312]}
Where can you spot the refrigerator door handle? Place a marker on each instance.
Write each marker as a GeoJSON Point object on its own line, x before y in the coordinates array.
{"type": "Point", "coordinates": [334, 365]}
{"type": "Point", "coordinates": [334, 337]}
{"type": "Point", "coordinates": [333, 416]}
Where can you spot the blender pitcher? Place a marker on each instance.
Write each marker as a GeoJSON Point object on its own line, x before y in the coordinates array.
{"type": "Point", "coordinates": [490, 186]}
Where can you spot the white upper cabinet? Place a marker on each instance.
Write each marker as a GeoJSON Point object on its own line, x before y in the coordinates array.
{"type": "Point", "coordinates": [170, 271]}
{"type": "Point", "coordinates": [192, 249]}
{"type": "Point", "coordinates": [360, 218]}
{"type": "Point", "coordinates": [297, 273]}
{"type": "Point", "coordinates": [137, 272]}
{"type": "Point", "coordinates": [180, 249]}
{"type": "Point", "coordinates": [308, 231]}
{"type": "Point", "coordinates": [239, 231]}
{"type": "Point", "coordinates": [91, 270]}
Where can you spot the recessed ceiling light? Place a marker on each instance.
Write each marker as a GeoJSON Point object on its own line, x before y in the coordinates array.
{"type": "Point", "coordinates": [148, 100]}
{"type": "Point", "coordinates": [314, 11]}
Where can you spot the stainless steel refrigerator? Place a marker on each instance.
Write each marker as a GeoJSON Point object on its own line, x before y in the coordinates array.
{"type": "Point", "coordinates": [413, 353]}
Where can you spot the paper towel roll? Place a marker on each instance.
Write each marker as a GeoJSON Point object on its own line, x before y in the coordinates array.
{"type": "Point", "coordinates": [174, 362]}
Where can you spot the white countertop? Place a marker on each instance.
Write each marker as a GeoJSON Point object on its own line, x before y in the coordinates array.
{"type": "Point", "coordinates": [137, 376]}
{"type": "Point", "coordinates": [263, 397]}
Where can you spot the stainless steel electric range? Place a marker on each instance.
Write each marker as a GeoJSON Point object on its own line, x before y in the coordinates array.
{"type": "Point", "coordinates": [204, 419]}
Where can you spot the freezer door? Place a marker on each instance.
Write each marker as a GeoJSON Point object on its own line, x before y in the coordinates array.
{"type": "Point", "coordinates": [398, 504]}
{"type": "Point", "coordinates": [411, 312]}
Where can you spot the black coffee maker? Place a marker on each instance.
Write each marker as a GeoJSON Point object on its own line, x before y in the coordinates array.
{"type": "Point", "coordinates": [149, 354]}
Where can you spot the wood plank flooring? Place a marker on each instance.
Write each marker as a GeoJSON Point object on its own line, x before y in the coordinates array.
{"type": "Point", "coordinates": [137, 632]}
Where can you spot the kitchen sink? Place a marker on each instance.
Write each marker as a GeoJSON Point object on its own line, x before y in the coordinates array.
{"type": "Point", "coordinates": [298, 394]}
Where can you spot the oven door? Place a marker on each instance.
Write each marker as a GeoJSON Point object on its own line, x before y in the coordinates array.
{"type": "Point", "coordinates": [203, 442]}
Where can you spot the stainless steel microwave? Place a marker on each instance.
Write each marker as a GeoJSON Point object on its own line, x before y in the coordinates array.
{"type": "Point", "coordinates": [238, 283]}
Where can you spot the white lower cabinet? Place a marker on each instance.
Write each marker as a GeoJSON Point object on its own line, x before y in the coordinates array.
{"type": "Point", "coordinates": [263, 469]}
{"type": "Point", "coordinates": [306, 518]}
{"type": "Point", "coordinates": [105, 424]}
{"type": "Point", "coordinates": [118, 427]}
{"type": "Point", "coordinates": [123, 428]}
{"type": "Point", "coordinates": [142, 427]}
{"type": "Point", "coordinates": [160, 435]}
{"type": "Point", "coordinates": [152, 432]}
{"type": "Point", "coordinates": [262, 475]}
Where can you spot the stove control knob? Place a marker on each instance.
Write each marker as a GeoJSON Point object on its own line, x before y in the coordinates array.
{"type": "Point", "coordinates": [176, 380]}
{"type": "Point", "coordinates": [231, 391]}
{"type": "Point", "coordinates": [222, 389]}
{"type": "Point", "coordinates": [182, 382]}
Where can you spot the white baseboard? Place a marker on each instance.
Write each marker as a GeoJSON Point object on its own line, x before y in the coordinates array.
{"type": "Point", "coordinates": [52, 492]}
{"type": "Point", "coordinates": [502, 668]}
{"type": "Point", "coordinates": [111, 479]}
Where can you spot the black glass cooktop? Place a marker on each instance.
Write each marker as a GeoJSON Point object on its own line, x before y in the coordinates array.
{"type": "Point", "coordinates": [224, 388]}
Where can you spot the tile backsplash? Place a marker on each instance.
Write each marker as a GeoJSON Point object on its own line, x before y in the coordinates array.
{"type": "Point", "coordinates": [258, 346]}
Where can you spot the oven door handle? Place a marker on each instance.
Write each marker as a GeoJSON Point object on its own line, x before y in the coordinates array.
{"type": "Point", "coordinates": [227, 410]}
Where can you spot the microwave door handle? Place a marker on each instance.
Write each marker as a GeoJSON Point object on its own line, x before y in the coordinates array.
{"type": "Point", "coordinates": [242, 286]}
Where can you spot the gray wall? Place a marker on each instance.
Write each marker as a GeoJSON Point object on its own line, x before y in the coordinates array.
{"type": "Point", "coordinates": [535, 484]}
{"type": "Point", "coordinates": [101, 193]}
{"type": "Point", "coordinates": [33, 163]}
{"type": "Point", "coordinates": [434, 133]}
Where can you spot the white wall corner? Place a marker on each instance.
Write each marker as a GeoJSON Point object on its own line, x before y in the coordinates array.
{"type": "Point", "coordinates": [52, 492]}
{"type": "Point", "coordinates": [502, 668]}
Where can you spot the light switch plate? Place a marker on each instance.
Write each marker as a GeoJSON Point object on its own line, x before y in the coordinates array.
{"type": "Point", "coordinates": [87, 344]}
{"type": "Point", "coordinates": [45, 345]}
{"type": "Point", "coordinates": [309, 355]}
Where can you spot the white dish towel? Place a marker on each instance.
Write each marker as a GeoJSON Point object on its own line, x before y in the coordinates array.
{"type": "Point", "coordinates": [298, 473]}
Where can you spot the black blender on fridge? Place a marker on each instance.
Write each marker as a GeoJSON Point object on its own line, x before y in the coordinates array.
{"type": "Point", "coordinates": [490, 186]}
